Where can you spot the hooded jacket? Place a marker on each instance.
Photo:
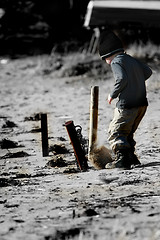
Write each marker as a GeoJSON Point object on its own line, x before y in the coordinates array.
{"type": "Point", "coordinates": [130, 75]}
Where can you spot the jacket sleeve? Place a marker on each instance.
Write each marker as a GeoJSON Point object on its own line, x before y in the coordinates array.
{"type": "Point", "coordinates": [120, 78]}
{"type": "Point", "coordinates": [146, 70]}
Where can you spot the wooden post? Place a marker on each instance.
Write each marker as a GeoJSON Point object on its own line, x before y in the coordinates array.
{"type": "Point", "coordinates": [79, 152]}
{"type": "Point", "coordinates": [44, 131]}
{"type": "Point", "coordinates": [93, 117]}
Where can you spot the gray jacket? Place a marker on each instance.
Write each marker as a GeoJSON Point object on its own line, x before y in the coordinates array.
{"type": "Point", "coordinates": [130, 75]}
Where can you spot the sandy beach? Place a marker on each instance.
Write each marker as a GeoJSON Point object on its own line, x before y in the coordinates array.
{"type": "Point", "coordinates": [48, 198]}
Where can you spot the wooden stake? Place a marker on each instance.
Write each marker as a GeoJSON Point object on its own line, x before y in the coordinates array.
{"type": "Point", "coordinates": [44, 130]}
{"type": "Point", "coordinates": [93, 117]}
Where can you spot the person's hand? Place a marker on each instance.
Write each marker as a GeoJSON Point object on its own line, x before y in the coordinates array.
{"type": "Point", "coordinates": [109, 99]}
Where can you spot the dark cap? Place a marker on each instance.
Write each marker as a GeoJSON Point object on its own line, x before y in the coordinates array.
{"type": "Point", "coordinates": [109, 44]}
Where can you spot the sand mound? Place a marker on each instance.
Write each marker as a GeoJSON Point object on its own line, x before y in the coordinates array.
{"type": "Point", "coordinates": [99, 157]}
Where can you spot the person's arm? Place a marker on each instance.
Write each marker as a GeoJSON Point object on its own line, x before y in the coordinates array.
{"type": "Point", "coordinates": [146, 70]}
{"type": "Point", "coordinates": [109, 99]}
{"type": "Point", "coordinates": [120, 79]}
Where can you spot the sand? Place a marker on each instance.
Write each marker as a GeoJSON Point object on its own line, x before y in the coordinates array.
{"type": "Point", "coordinates": [47, 198]}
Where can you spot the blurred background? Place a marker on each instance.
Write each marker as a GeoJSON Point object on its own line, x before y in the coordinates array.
{"type": "Point", "coordinates": [39, 26]}
{"type": "Point", "coordinates": [30, 26]}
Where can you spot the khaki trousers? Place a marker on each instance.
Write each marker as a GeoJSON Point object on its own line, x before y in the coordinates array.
{"type": "Point", "coordinates": [123, 126]}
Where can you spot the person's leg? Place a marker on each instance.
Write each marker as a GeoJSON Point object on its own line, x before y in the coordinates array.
{"type": "Point", "coordinates": [119, 130]}
{"type": "Point", "coordinates": [140, 115]}
{"type": "Point", "coordinates": [121, 127]}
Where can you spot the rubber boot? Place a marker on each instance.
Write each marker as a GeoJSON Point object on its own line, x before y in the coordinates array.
{"type": "Point", "coordinates": [133, 158]}
{"type": "Point", "coordinates": [122, 160]}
